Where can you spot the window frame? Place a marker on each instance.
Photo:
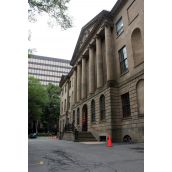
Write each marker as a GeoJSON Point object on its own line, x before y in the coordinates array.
{"type": "Point", "coordinates": [123, 60]}
{"type": "Point", "coordinates": [121, 30]}
{"type": "Point", "coordinates": [93, 111]}
{"type": "Point", "coordinates": [126, 110]}
{"type": "Point", "coordinates": [102, 108]}
{"type": "Point", "coordinates": [73, 121]}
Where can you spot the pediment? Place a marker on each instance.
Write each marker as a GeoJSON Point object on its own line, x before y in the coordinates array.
{"type": "Point", "coordinates": [86, 32]}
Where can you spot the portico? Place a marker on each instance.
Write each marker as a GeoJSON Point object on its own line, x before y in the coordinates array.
{"type": "Point", "coordinates": [92, 53]}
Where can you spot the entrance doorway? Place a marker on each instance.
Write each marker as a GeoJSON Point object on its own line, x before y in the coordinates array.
{"type": "Point", "coordinates": [84, 118]}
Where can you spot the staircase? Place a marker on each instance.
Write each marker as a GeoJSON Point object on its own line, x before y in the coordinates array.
{"type": "Point", "coordinates": [85, 136]}
{"type": "Point", "coordinates": [71, 133]}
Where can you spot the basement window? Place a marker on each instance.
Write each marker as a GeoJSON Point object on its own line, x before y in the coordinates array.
{"type": "Point", "coordinates": [102, 138]}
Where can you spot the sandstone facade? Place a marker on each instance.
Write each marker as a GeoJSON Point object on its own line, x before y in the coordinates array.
{"type": "Point", "coordinates": [104, 91]}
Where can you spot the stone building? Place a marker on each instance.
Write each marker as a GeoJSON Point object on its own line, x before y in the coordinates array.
{"type": "Point", "coordinates": [104, 91]}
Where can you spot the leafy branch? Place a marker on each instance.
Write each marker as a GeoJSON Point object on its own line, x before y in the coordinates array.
{"type": "Point", "coordinates": [56, 9]}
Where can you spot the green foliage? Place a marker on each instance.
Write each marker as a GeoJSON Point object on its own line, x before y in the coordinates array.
{"type": "Point", "coordinates": [37, 98]}
{"type": "Point", "coordinates": [56, 9]}
{"type": "Point", "coordinates": [43, 104]}
{"type": "Point", "coordinates": [52, 107]}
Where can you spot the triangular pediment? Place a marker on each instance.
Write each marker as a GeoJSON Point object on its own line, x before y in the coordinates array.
{"type": "Point", "coordinates": [86, 32]}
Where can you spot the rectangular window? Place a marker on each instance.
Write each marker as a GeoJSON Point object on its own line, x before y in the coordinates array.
{"type": "Point", "coordinates": [119, 26]}
{"type": "Point", "coordinates": [69, 84]}
{"type": "Point", "coordinates": [126, 105]}
{"type": "Point", "coordinates": [123, 59]}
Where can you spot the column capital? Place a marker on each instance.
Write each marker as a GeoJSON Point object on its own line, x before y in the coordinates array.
{"type": "Point", "coordinates": [80, 61]}
{"type": "Point", "coordinates": [108, 23]}
{"type": "Point", "coordinates": [97, 36]}
{"type": "Point", "coordinates": [90, 46]}
{"type": "Point", "coordinates": [75, 68]}
{"type": "Point", "coordinates": [84, 56]}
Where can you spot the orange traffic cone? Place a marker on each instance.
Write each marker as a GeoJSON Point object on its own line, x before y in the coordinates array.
{"type": "Point", "coordinates": [109, 143]}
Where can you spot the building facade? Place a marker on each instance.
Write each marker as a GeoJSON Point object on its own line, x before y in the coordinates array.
{"type": "Point", "coordinates": [48, 69]}
{"type": "Point", "coordinates": [104, 91]}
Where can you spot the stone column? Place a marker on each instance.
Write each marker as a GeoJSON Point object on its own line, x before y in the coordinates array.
{"type": "Point", "coordinates": [78, 82]}
{"type": "Point", "coordinates": [74, 86]}
{"type": "Point", "coordinates": [99, 63]}
{"type": "Point", "coordinates": [91, 70]}
{"type": "Point", "coordinates": [84, 82]}
{"type": "Point", "coordinates": [109, 54]}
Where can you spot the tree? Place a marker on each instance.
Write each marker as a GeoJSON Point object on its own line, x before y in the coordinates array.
{"type": "Point", "coordinates": [56, 9]}
{"type": "Point", "coordinates": [37, 98]}
{"type": "Point", "coordinates": [52, 108]}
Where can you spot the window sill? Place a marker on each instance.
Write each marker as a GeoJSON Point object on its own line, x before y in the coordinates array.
{"type": "Point", "coordinates": [118, 35]}
{"type": "Point", "coordinates": [124, 73]}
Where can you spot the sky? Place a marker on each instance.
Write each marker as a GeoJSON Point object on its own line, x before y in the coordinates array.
{"type": "Point", "coordinates": [53, 42]}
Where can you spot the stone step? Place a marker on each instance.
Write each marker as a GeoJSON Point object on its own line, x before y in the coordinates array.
{"type": "Point", "coordinates": [86, 140]}
{"type": "Point", "coordinates": [68, 136]}
{"type": "Point", "coordinates": [85, 136]}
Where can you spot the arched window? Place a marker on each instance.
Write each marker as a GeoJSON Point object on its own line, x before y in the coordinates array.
{"type": "Point", "coordinates": [93, 113]}
{"type": "Point", "coordinates": [78, 116]}
{"type": "Point", "coordinates": [73, 117]}
{"type": "Point", "coordinates": [102, 107]}
{"type": "Point", "coordinates": [137, 46]}
{"type": "Point", "coordinates": [140, 96]}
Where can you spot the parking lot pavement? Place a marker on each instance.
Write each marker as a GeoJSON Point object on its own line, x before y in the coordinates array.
{"type": "Point", "coordinates": [52, 155]}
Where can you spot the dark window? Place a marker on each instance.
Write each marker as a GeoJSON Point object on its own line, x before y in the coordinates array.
{"type": "Point", "coordinates": [123, 59]}
{"type": "Point", "coordinates": [74, 117]}
{"type": "Point", "coordinates": [126, 105]}
{"type": "Point", "coordinates": [119, 26]}
{"type": "Point", "coordinates": [93, 113]}
{"type": "Point", "coordinates": [102, 138]}
{"type": "Point", "coordinates": [78, 116]}
{"type": "Point", "coordinates": [102, 107]}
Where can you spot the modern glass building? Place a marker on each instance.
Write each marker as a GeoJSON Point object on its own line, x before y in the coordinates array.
{"type": "Point", "coordinates": [48, 69]}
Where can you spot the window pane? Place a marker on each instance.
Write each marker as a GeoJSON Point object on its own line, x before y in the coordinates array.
{"type": "Point", "coordinates": [126, 105]}
{"type": "Point", "coordinates": [123, 59]}
{"type": "Point", "coordinates": [119, 26]}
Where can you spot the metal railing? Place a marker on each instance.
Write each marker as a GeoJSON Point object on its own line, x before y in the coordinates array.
{"type": "Point", "coordinates": [69, 127]}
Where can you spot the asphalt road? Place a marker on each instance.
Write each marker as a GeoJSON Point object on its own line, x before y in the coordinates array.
{"type": "Point", "coordinates": [51, 155]}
